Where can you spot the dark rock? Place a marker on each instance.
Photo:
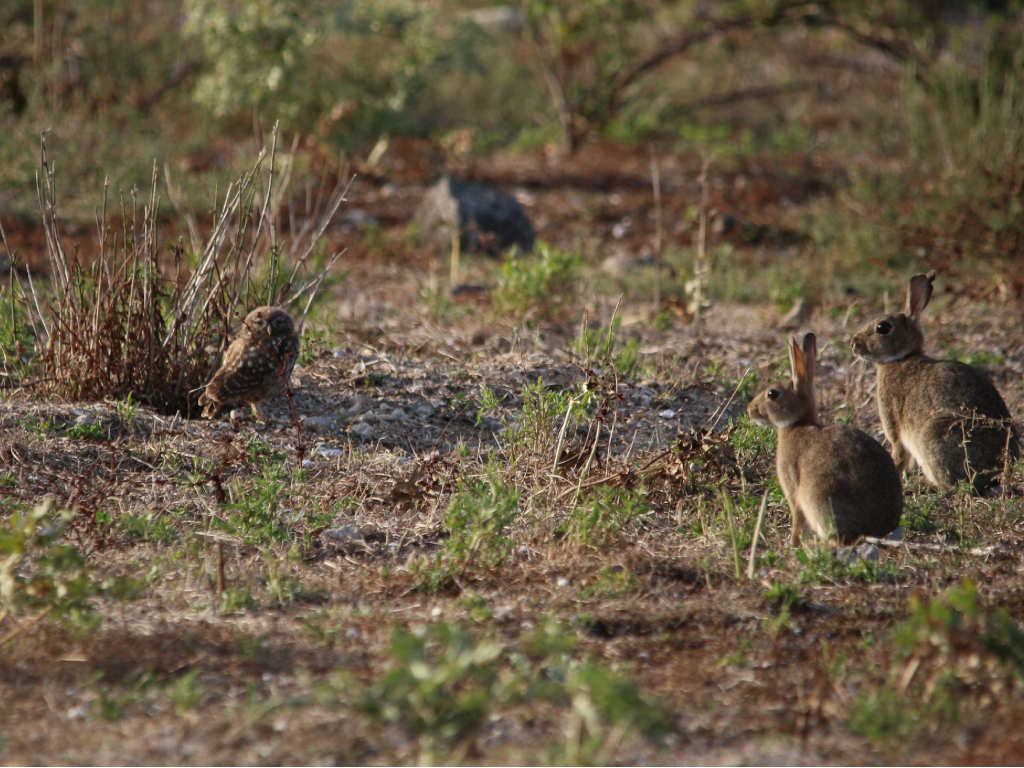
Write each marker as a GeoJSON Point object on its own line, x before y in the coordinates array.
{"type": "Point", "coordinates": [489, 220]}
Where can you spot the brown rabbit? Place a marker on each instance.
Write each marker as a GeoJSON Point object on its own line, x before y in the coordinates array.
{"type": "Point", "coordinates": [835, 478]}
{"type": "Point", "coordinates": [943, 414]}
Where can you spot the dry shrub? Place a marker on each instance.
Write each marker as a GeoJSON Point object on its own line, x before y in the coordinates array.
{"type": "Point", "coordinates": [126, 324]}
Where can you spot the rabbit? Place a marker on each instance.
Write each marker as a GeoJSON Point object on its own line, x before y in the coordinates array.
{"type": "Point", "coordinates": [835, 478]}
{"type": "Point", "coordinates": [945, 415]}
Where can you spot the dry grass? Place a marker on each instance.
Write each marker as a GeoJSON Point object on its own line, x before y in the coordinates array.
{"type": "Point", "coordinates": [138, 320]}
{"type": "Point", "coordinates": [496, 542]}
{"type": "Point", "coordinates": [492, 589]}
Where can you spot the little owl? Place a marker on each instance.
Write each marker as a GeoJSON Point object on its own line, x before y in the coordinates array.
{"type": "Point", "coordinates": [257, 364]}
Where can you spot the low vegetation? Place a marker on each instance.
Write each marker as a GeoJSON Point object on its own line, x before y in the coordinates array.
{"type": "Point", "coordinates": [512, 510]}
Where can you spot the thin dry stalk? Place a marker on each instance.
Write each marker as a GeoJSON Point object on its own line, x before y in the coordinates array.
{"type": "Point", "coordinates": [119, 326]}
{"type": "Point", "coordinates": [701, 267]}
{"type": "Point", "coordinates": [25, 626]}
{"type": "Point", "coordinates": [989, 551]}
{"type": "Point", "coordinates": [659, 232]}
{"type": "Point", "coordinates": [757, 535]}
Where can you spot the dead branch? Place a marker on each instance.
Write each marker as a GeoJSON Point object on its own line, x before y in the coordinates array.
{"type": "Point", "coordinates": [989, 551]}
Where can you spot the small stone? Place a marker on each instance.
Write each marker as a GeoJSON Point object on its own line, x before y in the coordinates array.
{"type": "Point", "coordinates": [435, 611]}
{"type": "Point", "coordinates": [356, 218]}
{"type": "Point", "coordinates": [328, 452]}
{"type": "Point", "coordinates": [850, 555]}
{"type": "Point", "coordinates": [345, 534]}
{"type": "Point", "coordinates": [360, 404]}
{"type": "Point", "coordinates": [320, 425]}
{"type": "Point", "coordinates": [394, 414]}
{"type": "Point", "coordinates": [668, 413]}
{"type": "Point", "coordinates": [84, 418]}
{"type": "Point", "coordinates": [562, 581]}
{"type": "Point", "coordinates": [622, 227]}
{"type": "Point", "coordinates": [363, 430]}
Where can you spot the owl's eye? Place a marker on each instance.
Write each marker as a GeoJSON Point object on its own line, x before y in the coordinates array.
{"type": "Point", "coordinates": [884, 328]}
{"type": "Point", "coordinates": [772, 394]}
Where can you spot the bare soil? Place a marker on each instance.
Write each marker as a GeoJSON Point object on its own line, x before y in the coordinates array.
{"type": "Point", "coordinates": [387, 415]}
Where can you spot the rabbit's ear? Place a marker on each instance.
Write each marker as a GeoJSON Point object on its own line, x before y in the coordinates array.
{"type": "Point", "coordinates": [801, 364]}
{"type": "Point", "coordinates": [810, 354]}
{"type": "Point", "coordinates": [805, 384]}
{"type": "Point", "coordinates": [796, 364]}
{"type": "Point", "coordinates": [919, 291]}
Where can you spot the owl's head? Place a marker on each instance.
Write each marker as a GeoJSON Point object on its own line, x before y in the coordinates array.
{"type": "Point", "coordinates": [273, 321]}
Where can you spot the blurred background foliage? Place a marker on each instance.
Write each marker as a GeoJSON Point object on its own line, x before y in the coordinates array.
{"type": "Point", "coordinates": [919, 102]}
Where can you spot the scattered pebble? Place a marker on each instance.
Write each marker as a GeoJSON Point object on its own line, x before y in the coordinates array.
{"type": "Point", "coordinates": [850, 555]}
{"type": "Point", "coordinates": [327, 452]}
{"type": "Point", "coordinates": [84, 418]}
{"type": "Point", "coordinates": [320, 425]}
{"type": "Point", "coordinates": [562, 581]}
{"type": "Point", "coordinates": [668, 413]}
{"type": "Point", "coordinates": [345, 534]}
{"type": "Point", "coordinates": [363, 430]}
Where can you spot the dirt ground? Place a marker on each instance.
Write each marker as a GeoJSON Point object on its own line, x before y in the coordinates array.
{"type": "Point", "coordinates": [268, 641]}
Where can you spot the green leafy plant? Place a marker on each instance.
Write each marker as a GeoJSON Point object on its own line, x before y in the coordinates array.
{"type": "Point", "coordinates": [236, 600]}
{"type": "Point", "coordinates": [819, 566]}
{"type": "Point", "coordinates": [37, 571]}
{"type": "Point", "coordinates": [148, 526]}
{"type": "Point", "coordinates": [752, 442]}
{"type": "Point", "coordinates": [476, 521]}
{"type": "Point", "coordinates": [538, 285]}
{"type": "Point", "coordinates": [445, 683]}
{"type": "Point", "coordinates": [545, 414]}
{"type": "Point", "coordinates": [254, 515]}
{"type": "Point", "coordinates": [441, 686]}
{"type": "Point", "coordinates": [609, 582]}
{"type": "Point", "coordinates": [90, 431]}
{"type": "Point", "coordinates": [950, 656]}
{"type": "Point", "coordinates": [603, 513]}
{"type": "Point", "coordinates": [185, 691]}
{"type": "Point", "coordinates": [601, 346]}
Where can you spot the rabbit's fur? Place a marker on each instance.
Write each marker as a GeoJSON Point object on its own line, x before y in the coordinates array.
{"type": "Point", "coordinates": [835, 478]}
{"type": "Point", "coordinates": [943, 414]}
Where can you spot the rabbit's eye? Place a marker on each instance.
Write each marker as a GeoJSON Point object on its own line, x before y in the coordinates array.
{"type": "Point", "coordinates": [884, 328]}
{"type": "Point", "coordinates": [772, 394]}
